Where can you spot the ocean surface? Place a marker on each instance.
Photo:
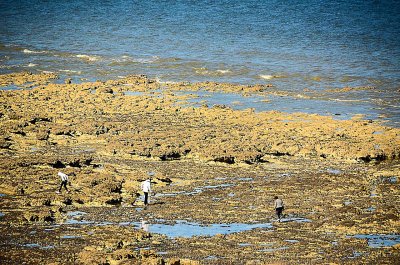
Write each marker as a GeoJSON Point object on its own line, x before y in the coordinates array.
{"type": "Point", "coordinates": [294, 45]}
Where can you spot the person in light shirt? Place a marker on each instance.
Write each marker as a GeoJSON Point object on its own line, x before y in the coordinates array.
{"type": "Point", "coordinates": [64, 181]}
{"type": "Point", "coordinates": [146, 188]}
{"type": "Point", "coordinates": [279, 207]}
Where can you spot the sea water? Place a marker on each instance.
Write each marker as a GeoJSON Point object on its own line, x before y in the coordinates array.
{"type": "Point", "coordinates": [294, 45]}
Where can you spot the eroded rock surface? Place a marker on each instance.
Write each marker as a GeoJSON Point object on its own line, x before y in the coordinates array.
{"type": "Point", "coordinates": [212, 165]}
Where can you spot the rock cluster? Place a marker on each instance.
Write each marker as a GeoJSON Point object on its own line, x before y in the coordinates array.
{"type": "Point", "coordinates": [210, 165]}
{"type": "Point", "coordinates": [101, 115]}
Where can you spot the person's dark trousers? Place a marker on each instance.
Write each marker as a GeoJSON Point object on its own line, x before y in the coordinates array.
{"type": "Point", "coordinates": [63, 183]}
{"type": "Point", "coordinates": [146, 198]}
{"type": "Point", "coordinates": [279, 211]}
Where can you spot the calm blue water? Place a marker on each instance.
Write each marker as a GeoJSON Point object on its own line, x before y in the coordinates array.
{"type": "Point", "coordinates": [292, 44]}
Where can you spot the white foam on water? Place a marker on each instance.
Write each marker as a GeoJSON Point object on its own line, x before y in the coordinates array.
{"type": "Point", "coordinates": [269, 77]}
{"type": "Point", "coordinates": [126, 60]}
{"type": "Point", "coordinates": [88, 57]}
{"type": "Point", "coordinates": [166, 82]}
{"type": "Point", "coordinates": [227, 71]}
{"type": "Point", "coordinates": [145, 60]}
{"type": "Point", "coordinates": [70, 71]}
{"type": "Point", "coordinates": [266, 77]}
{"type": "Point", "coordinates": [32, 52]}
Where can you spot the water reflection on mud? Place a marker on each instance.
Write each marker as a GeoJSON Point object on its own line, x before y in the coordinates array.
{"type": "Point", "coordinates": [189, 229]}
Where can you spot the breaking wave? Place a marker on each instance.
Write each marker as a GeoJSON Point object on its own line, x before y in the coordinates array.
{"type": "Point", "coordinates": [90, 58]}
{"type": "Point", "coordinates": [32, 52]}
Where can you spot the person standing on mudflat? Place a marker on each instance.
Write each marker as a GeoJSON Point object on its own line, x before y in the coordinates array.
{"type": "Point", "coordinates": [279, 207]}
{"type": "Point", "coordinates": [64, 181]}
{"type": "Point", "coordinates": [146, 188]}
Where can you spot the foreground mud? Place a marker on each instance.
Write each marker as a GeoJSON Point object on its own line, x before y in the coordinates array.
{"type": "Point", "coordinates": [215, 169]}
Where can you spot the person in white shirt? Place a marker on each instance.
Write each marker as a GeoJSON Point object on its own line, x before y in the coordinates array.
{"type": "Point", "coordinates": [64, 181]}
{"type": "Point", "coordinates": [146, 188]}
{"type": "Point", "coordinates": [279, 207]}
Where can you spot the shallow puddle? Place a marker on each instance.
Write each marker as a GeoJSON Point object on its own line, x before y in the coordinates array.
{"type": "Point", "coordinates": [180, 228]}
{"type": "Point", "coordinates": [356, 254]}
{"type": "Point", "coordinates": [75, 214]}
{"type": "Point", "coordinates": [245, 179]}
{"type": "Point", "coordinates": [334, 171]}
{"type": "Point", "coordinates": [75, 218]}
{"type": "Point", "coordinates": [217, 186]}
{"type": "Point", "coordinates": [267, 102]}
{"type": "Point", "coordinates": [392, 180]}
{"type": "Point", "coordinates": [107, 223]}
{"type": "Point", "coordinates": [194, 191]}
{"type": "Point", "coordinates": [292, 241]}
{"type": "Point", "coordinates": [31, 245]}
{"type": "Point", "coordinates": [346, 203]}
{"type": "Point", "coordinates": [371, 209]}
{"type": "Point", "coordinates": [373, 194]}
{"type": "Point", "coordinates": [379, 241]}
{"type": "Point", "coordinates": [35, 245]}
{"type": "Point", "coordinates": [11, 87]}
{"type": "Point", "coordinates": [273, 249]}
{"type": "Point", "coordinates": [69, 237]}
{"type": "Point", "coordinates": [295, 219]}
{"type": "Point", "coordinates": [190, 229]}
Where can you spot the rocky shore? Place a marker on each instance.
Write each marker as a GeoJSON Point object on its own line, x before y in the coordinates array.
{"type": "Point", "coordinates": [215, 169]}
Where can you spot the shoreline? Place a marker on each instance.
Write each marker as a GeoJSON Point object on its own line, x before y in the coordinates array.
{"type": "Point", "coordinates": [212, 165]}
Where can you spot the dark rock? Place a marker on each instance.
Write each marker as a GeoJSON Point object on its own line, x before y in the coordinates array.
{"type": "Point", "coordinates": [20, 133]}
{"type": "Point", "coordinates": [67, 201]}
{"type": "Point", "coordinates": [47, 202]}
{"type": "Point", "coordinates": [35, 120]}
{"type": "Point", "coordinates": [4, 144]}
{"type": "Point", "coordinates": [102, 130]}
{"type": "Point", "coordinates": [58, 164]}
{"type": "Point", "coordinates": [117, 188]}
{"type": "Point", "coordinates": [348, 223]}
{"type": "Point", "coordinates": [34, 218]}
{"type": "Point", "coordinates": [114, 201]}
{"type": "Point", "coordinates": [225, 159]}
{"type": "Point", "coordinates": [75, 163]}
{"type": "Point", "coordinates": [49, 219]}
{"type": "Point", "coordinates": [165, 180]}
{"type": "Point", "coordinates": [173, 155]}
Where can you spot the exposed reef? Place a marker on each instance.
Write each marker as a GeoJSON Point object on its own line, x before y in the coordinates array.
{"type": "Point", "coordinates": [212, 165]}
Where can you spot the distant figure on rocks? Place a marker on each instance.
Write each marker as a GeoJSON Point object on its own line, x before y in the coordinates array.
{"type": "Point", "coordinates": [146, 188]}
{"type": "Point", "coordinates": [64, 181]}
{"type": "Point", "coordinates": [279, 207]}
{"type": "Point", "coordinates": [145, 226]}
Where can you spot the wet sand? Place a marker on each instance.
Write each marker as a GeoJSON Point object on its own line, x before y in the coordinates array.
{"type": "Point", "coordinates": [216, 172]}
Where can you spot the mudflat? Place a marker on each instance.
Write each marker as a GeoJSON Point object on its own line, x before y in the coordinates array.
{"type": "Point", "coordinates": [215, 172]}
